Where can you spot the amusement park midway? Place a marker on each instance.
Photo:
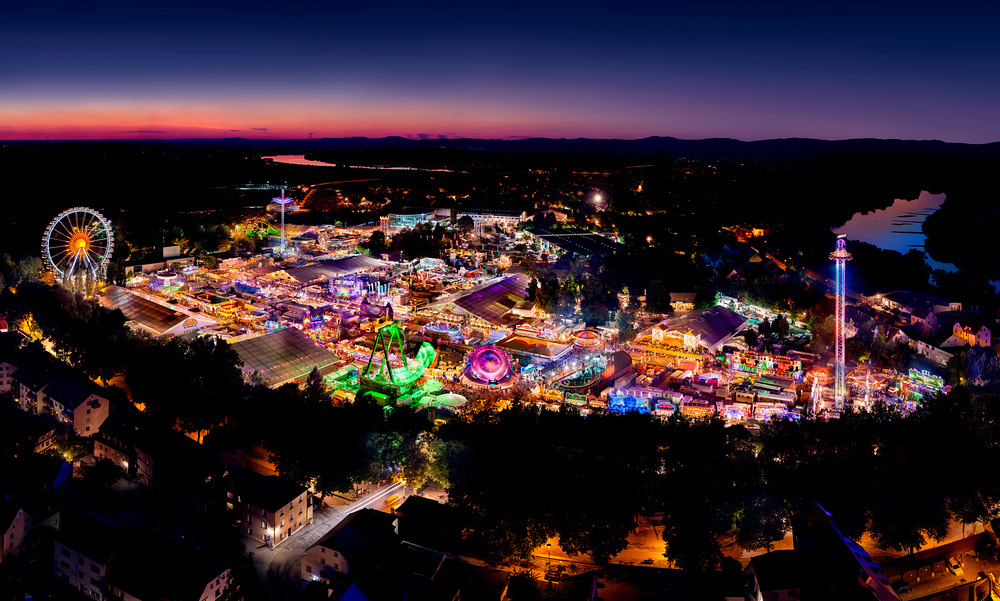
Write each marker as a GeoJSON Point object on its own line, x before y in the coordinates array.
{"type": "Point", "coordinates": [438, 332]}
{"type": "Point", "coordinates": [370, 366]}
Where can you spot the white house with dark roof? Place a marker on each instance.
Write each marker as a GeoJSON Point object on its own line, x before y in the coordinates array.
{"type": "Point", "coordinates": [14, 526]}
{"type": "Point", "coordinates": [355, 546]}
{"type": "Point", "coordinates": [82, 405]}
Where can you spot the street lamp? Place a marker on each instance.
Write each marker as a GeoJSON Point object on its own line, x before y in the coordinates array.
{"type": "Point", "coordinates": [548, 566]}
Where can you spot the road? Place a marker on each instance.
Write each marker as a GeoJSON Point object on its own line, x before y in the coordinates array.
{"type": "Point", "coordinates": [280, 569]}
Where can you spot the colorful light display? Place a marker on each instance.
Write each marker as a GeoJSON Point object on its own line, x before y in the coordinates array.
{"type": "Point", "coordinates": [488, 364]}
{"type": "Point", "coordinates": [626, 403]}
{"type": "Point", "coordinates": [840, 256]}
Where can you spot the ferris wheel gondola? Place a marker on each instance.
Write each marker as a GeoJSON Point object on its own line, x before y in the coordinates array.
{"type": "Point", "coordinates": [78, 244]}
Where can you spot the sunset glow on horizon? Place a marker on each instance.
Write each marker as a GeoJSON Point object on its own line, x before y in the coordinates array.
{"type": "Point", "coordinates": [256, 70]}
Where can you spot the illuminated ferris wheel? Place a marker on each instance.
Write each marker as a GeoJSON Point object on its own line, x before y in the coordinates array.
{"type": "Point", "coordinates": [77, 244]}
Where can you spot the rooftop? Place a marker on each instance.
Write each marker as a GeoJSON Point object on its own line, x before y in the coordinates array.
{"type": "Point", "coordinates": [150, 314]}
{"type": "Point", "coordinates": [715, 324]}
{"type": "Point", "coordinates": [283, 356]}
{"type": "Point", "coordinates": [334, 268]}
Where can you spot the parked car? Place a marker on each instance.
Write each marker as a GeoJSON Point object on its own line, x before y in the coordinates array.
{"type": "Point", "coordinates": [955, 567]}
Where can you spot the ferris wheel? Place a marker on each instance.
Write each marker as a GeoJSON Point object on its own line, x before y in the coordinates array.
{"type": "Point", "coordinates": [78, 244]}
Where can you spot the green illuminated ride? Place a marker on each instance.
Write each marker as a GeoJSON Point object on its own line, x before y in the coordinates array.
{"type": "Point", "coordinates": [384, 380]}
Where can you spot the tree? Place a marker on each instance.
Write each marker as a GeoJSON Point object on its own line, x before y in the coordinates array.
{"type": "Point", "coordinates": [780, 326]}
{"type": "Point", "coordinates": [210, 262]}
{"type": "Point", "coordinates": [764, 329]}
{"type": "Point", "coordinates": [750, 337]}
{"type": "Point", "coordinates": [315, 389]}
{"type": "Point", "coordinates": [375, 243]}
{"type": "Point", "coordinates": [466, 224]}
{"type": "Point", "coordinates": [764, 518]}
{"type": "Point", "coordinates": [625, 322]}
{"type": "Point", "coordinates": [103, 473]}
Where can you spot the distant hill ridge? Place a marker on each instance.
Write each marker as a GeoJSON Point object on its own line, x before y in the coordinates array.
{"type": "Point", "coordinates": [721, 148]}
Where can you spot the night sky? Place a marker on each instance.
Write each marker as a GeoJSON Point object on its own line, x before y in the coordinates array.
{"type": "Point", "coordinates": [288, 69]}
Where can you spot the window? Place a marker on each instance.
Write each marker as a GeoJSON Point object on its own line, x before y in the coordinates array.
{"type": "Point", "coordinates": [263, 524]}
{"type": "Point", "coordinates": [88, 429]}
{"type": "Point", "coordinates": [322, 561]}
{"type": "Point", "coordinates": [263, 513]}
{"type": "Point", "coordinates": [322, 549]}
{"type": "Point", "coordinates": [95, 568]}
{"type": "Point", "coordinates": [64, 565]}
{"type": "Point", "coordinates": [309, 569]}
{"type": "Point", "coordinates": [88, 411]}
{"type": "Point", "coordinates": [250, 530]}
{"type": "Point", "coordinates": [229, 505]}
{"type": "Point", "coordinates": [64, 551]}
{"type": "Point", "coordinates": [336, 566]}
{"type": "Point", "coordinates": [282, 523]}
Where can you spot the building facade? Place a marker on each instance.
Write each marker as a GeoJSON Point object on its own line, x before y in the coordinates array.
{"type": "Point", "coordinates": [270, 509]}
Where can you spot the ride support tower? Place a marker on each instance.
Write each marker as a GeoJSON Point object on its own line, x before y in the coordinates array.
{"type": "Point", "coordinates": [283, 201]}
{"type": "Point", "coordinates": [840, 256]}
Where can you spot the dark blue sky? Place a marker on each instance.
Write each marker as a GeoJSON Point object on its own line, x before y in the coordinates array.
{"type": "Point", "coordinates": [510, 69]}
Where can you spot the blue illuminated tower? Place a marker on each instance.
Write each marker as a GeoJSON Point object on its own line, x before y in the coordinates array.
{"type": "Point", "coordinates": [840, 256]}
{"type": "Point", "coordinates": [282, 200]}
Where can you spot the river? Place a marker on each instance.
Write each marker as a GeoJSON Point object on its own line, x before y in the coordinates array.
{"type": "Point", "coordinates": [897, 227]}
{"type": "Point", "coordinates": [296, 159]}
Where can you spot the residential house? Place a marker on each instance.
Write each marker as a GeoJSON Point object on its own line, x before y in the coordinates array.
{"type": "Point", "coordinates": [682, 301]}
{"type": "Point", "coordinates": [972, 331]}
{"type": "Point", "coordinates": [925, 316]}
{"type": "Point", "coordinates": [84, 549]}
{"type": "Point", "coordinates": [78, 404]}
{"type": "Point", "coordinates": [415, 572]}
{"type": "Point", "coordinates": [167, 456]}
{"type": "Point", "coordinates": [912, 303]}
{"type": "Point", "coordinates": [15, 524]}
{"type": "Point", "coordinates": [356, 547]}
{"type": "Point", "coordinates": [268, 508]}
{"type": "Point", "coordinates": [28, 385]}
{"type": "Point", "coordinates": [7, 370]}
{"type": "Point", "coordinates": [929, 342]}
{"type": "Point", "coordinates": [116, 440]}
{"type": "Point", "coordinates": [73, 402]}
{"type": "Point", "coordinates": [429, 523]}
{"type": "Point", "coordinates": [779, 575]}
{"type": "Point", "coordinates": [151, 567]}
{"type": "Point", "coordinates": [30, 476]}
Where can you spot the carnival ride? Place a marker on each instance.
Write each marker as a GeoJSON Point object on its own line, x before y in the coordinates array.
{"type": "Point", "coordinates": [77, 245]}
{"type": "Point", "coordinates": [587, 339]}
{"type": "Point", "coordinates": [840, 257]}
{"type": "Point", "coordinates": [282, 203]}
{"type": "Point", "coordinates": [488, 365]}
{"type": "Point", "coordinates": [587, 373]}
{"type": "Point", "coordinates": [390, 376]}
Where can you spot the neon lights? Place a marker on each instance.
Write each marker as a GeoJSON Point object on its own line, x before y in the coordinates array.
{"type": "Point", "coordinates": [488, 365]}
{"type": "Point", "coordinates": [840, 256]}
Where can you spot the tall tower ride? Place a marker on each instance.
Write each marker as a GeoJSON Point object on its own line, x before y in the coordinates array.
{"type": "Point", "coordinates": [283, 201]}
{"type": "Point", "coordinates": [840, 256]}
